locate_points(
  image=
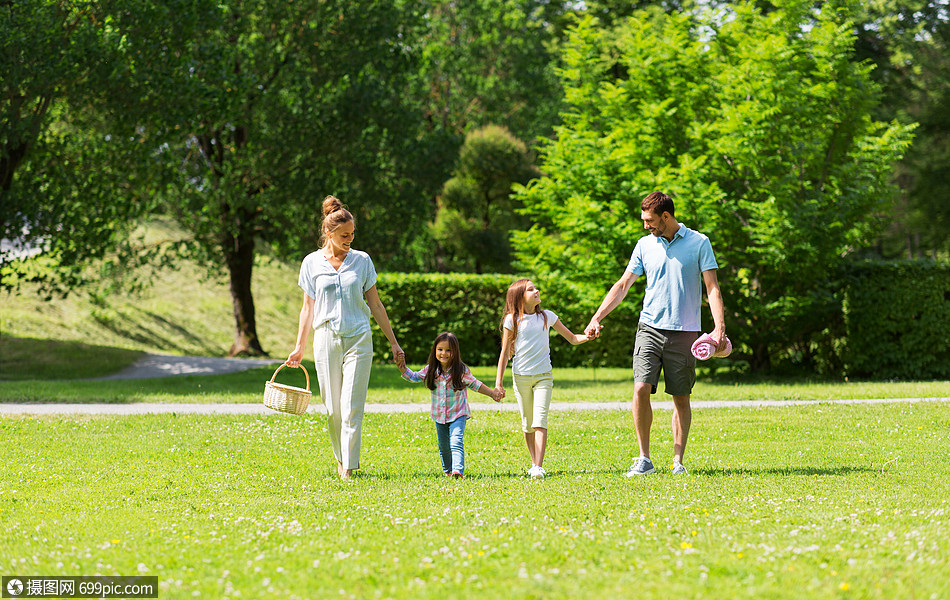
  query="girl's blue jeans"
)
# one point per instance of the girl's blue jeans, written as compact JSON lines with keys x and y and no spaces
{"x":451,"y":446}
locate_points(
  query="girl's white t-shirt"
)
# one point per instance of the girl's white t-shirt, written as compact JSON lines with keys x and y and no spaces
{"x":532,"y":349}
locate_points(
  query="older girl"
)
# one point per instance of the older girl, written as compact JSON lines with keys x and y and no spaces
{"x":525,"y":328}
{"x":339,"y":284}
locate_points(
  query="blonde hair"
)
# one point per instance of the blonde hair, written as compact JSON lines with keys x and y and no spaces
{"x":514,"y":306}
{"x":334,"y":215}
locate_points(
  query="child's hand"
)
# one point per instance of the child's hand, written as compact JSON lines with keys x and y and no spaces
{"x":399,"y":357}
{"x":498,"y":393}
{"x":593,"y":329}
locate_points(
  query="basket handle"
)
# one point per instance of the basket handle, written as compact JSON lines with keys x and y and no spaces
{"x":284,"y":365}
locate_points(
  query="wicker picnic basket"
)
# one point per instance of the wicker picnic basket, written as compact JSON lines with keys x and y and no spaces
{"x":287,"y":398}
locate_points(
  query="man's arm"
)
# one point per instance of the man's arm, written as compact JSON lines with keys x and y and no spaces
{"x":611,"y":301}
{"x":711,"y":279}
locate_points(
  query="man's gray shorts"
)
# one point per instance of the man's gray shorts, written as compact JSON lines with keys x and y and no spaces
{"x":668,"y":350}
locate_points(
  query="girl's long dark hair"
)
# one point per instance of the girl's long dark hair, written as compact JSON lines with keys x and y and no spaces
{"x":514,"y":306}
{"x":435,"y":367}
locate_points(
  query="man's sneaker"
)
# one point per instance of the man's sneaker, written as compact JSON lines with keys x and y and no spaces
{"x":536,"y":472}
{"x":679,"y":469}
{"x":641,"y":466}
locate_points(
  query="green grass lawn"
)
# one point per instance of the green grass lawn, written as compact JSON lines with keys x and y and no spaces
{"x":803,"y":502}
{"x":24,"y":359}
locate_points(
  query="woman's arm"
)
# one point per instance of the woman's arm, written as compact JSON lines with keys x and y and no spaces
{"x":303,"y":331}
{"x":569,"y":335}
{"x":382,"y":319}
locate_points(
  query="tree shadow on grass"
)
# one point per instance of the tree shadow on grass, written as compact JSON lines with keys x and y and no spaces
{"x":156,"y":331}
{"x":787,"y":471}
{"x":375,"y":475}
{"x":435,"y":475}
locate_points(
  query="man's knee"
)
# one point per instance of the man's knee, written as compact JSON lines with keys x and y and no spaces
{"x":642,"y":388}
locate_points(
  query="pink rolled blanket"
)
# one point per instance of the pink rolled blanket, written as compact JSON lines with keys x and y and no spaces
{"x":705,"y":348}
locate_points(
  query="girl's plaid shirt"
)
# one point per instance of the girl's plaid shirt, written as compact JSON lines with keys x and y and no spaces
{"x":448,"y":403}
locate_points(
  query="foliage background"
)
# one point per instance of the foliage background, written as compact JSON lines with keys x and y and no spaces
{"x":236,"y":118}
{"x":760,"y":128}
{"x":896,"y":317}
{"x":470,"y":306}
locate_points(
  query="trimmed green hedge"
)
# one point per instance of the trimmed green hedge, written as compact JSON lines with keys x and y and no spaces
{"x":421,"y":305}
{"x":897,"y":320}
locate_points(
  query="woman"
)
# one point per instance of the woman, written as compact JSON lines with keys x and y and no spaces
{"x":339,"y":285}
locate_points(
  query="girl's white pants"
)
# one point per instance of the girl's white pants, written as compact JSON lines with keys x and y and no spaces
{"x":343,"y":367}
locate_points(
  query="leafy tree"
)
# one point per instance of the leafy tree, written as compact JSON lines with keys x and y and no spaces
{"x":610,"y":13}
{"x":235,"y":118}
{"x":926,"y":169}
{"x":490,"y":61}
{"x":265,"y":110}
{"x":908,"y":41}
{"x":482,"y":62}
{"x":55,"y":61}
{"x":476,"y":210}
{"x":758,"y":124}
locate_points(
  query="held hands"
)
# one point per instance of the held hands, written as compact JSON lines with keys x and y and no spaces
{"x":498,"y":394}
{"x":593,"y":329}
{"x":399,"y":357}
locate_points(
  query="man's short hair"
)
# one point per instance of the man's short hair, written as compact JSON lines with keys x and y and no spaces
{"x":658,"y":203}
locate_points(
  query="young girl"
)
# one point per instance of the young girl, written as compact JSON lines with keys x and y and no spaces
{"x":524,"y":331}
{"x":448,"y":377}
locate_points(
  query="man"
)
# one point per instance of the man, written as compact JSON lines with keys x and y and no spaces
{"x":674,"y":260}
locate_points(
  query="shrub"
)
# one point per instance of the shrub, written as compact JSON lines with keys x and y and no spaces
{"x":422,"y":305}
{"x":897,"y":319}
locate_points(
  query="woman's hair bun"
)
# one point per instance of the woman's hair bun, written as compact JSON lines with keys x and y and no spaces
{"x":330,"y":205}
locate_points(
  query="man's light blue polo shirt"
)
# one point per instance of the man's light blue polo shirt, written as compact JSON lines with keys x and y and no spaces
{"x":673,"y":270}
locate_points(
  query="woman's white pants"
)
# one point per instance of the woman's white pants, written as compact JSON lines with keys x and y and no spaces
{"x":343,"y":368}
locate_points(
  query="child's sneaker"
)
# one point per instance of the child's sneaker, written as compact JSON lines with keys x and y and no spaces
{"x":641,"y":466}
{"x":456,"y":475}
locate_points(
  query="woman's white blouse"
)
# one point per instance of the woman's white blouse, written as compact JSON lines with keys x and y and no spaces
{"x":339,"y":295}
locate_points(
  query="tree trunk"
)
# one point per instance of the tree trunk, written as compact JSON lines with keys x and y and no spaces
{"x":240,"y":259}
{"x":11,"y":159}
{"x":17,"y":147}
{"x":760,"y":361}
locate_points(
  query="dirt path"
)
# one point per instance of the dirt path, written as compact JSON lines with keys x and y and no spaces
{"x":165,"y":365}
